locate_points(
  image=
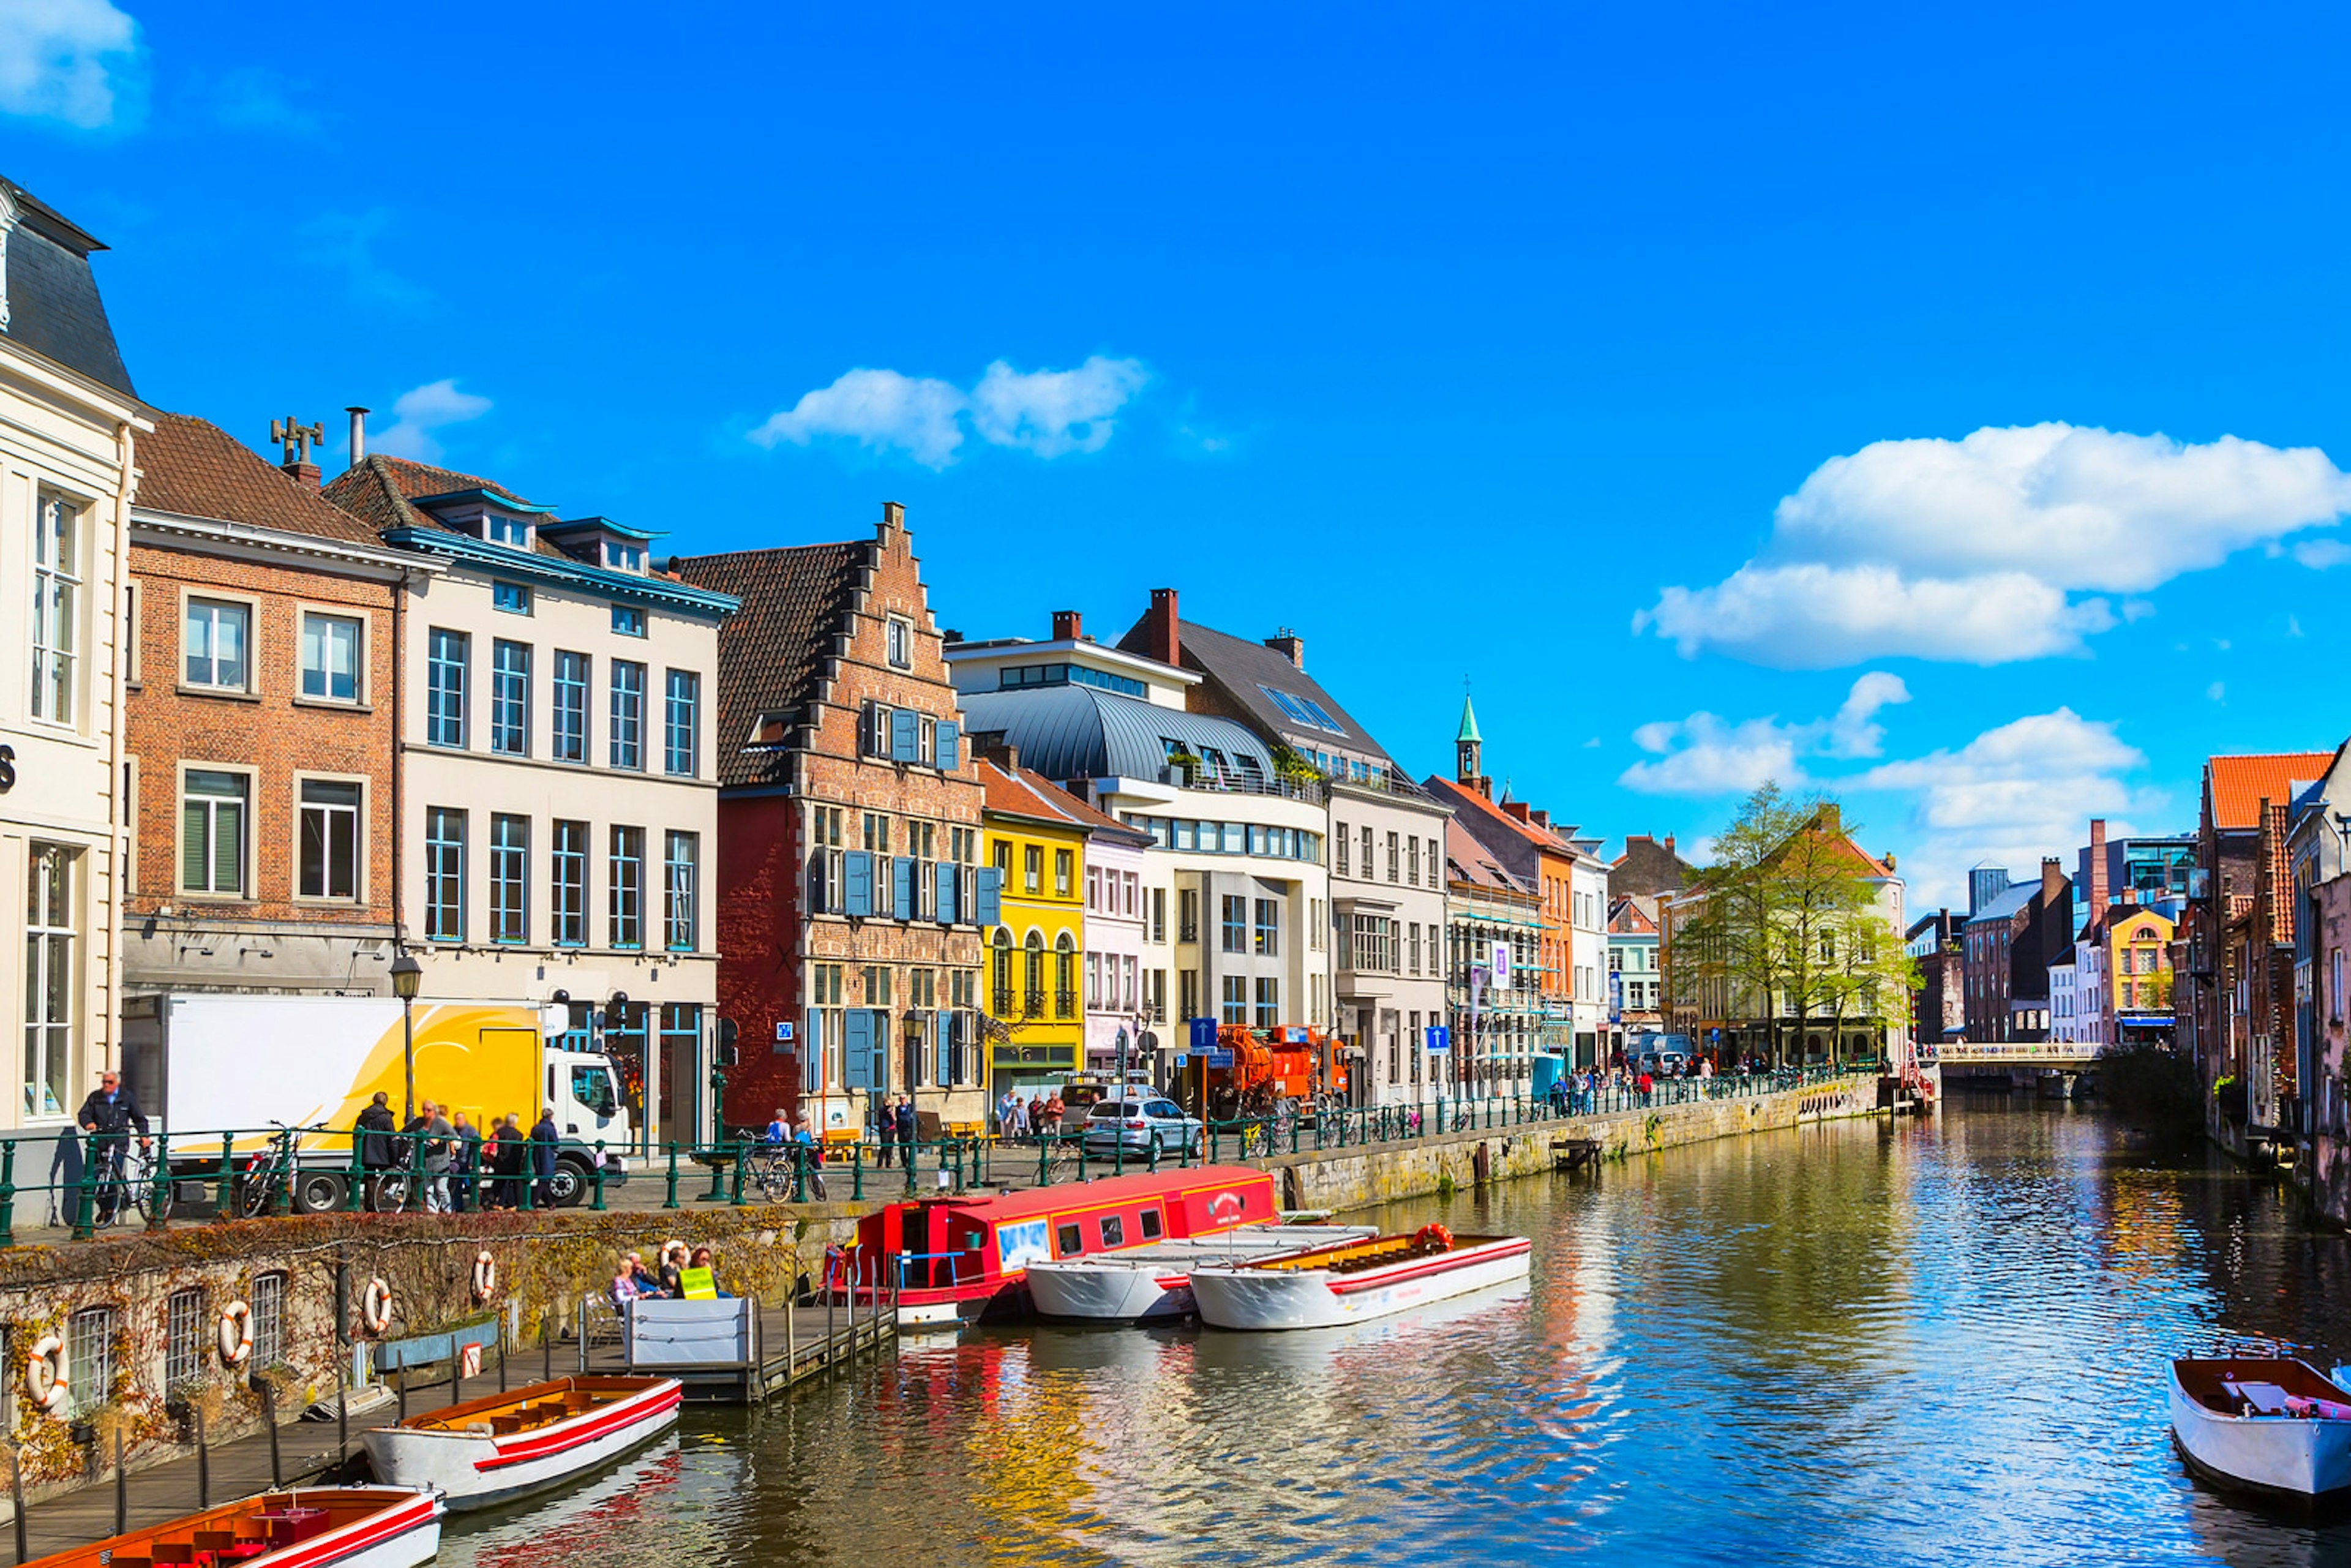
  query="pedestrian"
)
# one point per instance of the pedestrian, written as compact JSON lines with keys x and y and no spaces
{"x":508,"y":1162}
{"x":815,"y":1157}
{"x":705,"y":1273}
{"x":543,"y":1139}
{"x":374,"y":1131}
{"x":1054,"y":1110}
{"x":108,"y":1116}
{"x":886,"y":1123}
{"x":1006,"y":1104}
{"x":427,"y":1151}
{"x":465,"y":1163}
{"x":1036,"y":1111}
{"x":908,"y":1129}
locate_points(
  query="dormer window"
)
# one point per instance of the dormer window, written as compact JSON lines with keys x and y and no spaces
{"x":768,"y":731}
{"x":501,"y":529}
{"x":622,"y":557}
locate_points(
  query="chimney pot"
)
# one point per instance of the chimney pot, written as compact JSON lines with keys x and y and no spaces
{"x":1067,"y":626}
{"x":1160,"y":637}
{"x":359,"y":433}
{"x":1669,"y":844}
{"x":1290,"y":645}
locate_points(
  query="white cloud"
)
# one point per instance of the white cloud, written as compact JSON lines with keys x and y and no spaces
{"x":1047,"y":413}
{"x":65,"y":60}
{"x":2320,"y":554}
{"x":1977,"y":550}
{"x":1705,"y":755}
{"x":421,"y":411}
{"x":2218,"y":691}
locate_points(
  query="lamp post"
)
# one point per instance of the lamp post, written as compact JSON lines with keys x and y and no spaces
{"x":407,"y":979}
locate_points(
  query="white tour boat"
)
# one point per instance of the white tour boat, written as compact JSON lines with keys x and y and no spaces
{"x":308,"y":1527}
{"x":1153,"y":1282}
{"x":492,"y":1450}
{"x":2269,"y":1423}
{"x":1354,"y":1281}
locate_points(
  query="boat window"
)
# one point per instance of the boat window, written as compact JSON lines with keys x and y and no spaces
{"x":1151,"y":1225}
{"x":1113,"y":1230}
{"x":1066,"y":1242}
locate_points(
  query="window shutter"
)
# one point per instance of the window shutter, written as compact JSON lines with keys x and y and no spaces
{"x":816,"y":884}
{"x":949,"y":878}
{"x":988,"y":903}
{"x":857,"y":1051}
{"x":228,"y":846}
{"x":902,"y":888}
{"x":950,"y":746}
{"x":902,"y":735}
{"x":857,"y":882}
{"x":194,"y":840}
{"x":881,"y":1032}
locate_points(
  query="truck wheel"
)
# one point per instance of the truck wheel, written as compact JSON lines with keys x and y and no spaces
{"x":318,"y":1192}
{"x":569,"y":1185}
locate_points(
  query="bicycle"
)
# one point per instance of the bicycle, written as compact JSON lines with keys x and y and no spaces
{"x":274,"y":1166}
{"x":772,"y":1170}
{"x":126,"y":1171}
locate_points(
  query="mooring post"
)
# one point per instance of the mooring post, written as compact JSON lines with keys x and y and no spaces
{"x":122,"y":1488}
{"x":16,"y":1500}
{"x":269,"y":1415}
{"x":203,"y":1473}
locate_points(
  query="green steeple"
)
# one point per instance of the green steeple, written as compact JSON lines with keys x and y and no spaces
{"x":1468,"y":722}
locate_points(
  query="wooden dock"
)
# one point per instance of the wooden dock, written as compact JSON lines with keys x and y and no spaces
{"x":1574,"y":1154}
{"x":790,"y":1344}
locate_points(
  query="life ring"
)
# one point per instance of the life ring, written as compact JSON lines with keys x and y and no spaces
{"x":1436,"y":1236}
{"x":235,"y":1333}
{"x":45,"y":1375}
{"x":685,"y":1253}
{"x":375,"y":1306}
{"x":485,"y":1275}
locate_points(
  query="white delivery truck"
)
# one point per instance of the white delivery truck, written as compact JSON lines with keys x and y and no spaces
{"x":245,"y":1065}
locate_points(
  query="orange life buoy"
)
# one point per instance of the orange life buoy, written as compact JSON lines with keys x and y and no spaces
{"x":1436,"y":1237}
{"x":375,"y":1306}
{"x":44,"y":1375}
{"x":485,"y":1275}
{"x":235,"y":1333}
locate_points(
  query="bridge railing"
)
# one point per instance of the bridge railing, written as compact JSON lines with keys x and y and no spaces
{"x":1963,"y":1052}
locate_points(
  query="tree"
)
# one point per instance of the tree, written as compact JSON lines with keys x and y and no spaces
{"x":1736,"y":954}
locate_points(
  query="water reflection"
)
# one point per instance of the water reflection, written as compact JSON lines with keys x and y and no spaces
{"x":1851,"y":1345}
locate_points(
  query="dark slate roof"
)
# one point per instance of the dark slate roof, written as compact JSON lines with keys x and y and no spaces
{"x":195,"y":469}
{"x":1077,"y":732}
{"x":2000,"y":909}
{"x":1245,"y":669}
{"x":1648,"y":867}
{"x":52,"y":295}
{"x":771,"y":653}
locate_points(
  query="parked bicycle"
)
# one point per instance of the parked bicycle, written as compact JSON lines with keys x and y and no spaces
{"x":275,"y":1168}
{"x":124,"y":1179}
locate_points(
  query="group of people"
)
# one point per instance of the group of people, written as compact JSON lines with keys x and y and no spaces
{"x":895,"y":1123}
{"x":456,"y":1164}
{"x":1039,"y":1115}
{"x":683,"y":1275}
{"x":788,"y":1131}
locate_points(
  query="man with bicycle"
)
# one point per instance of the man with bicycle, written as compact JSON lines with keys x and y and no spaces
{"x":108,"y":1116}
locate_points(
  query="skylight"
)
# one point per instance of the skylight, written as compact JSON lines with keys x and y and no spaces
{"x":1305,"y":710}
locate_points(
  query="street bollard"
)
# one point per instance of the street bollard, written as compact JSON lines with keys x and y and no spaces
{"x":223,"y":1201}
{"x":737,"y":1199}
{"x":159,"y":1212}
{"x":598,"y":1178}
{"x":86,"y":1200}
{"x":9,"y":1193}
{"x":672,"y":1203}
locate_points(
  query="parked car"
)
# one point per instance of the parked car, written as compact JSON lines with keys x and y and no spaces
{"x":1662,"y":1063}
{"x":1135,"y":1122}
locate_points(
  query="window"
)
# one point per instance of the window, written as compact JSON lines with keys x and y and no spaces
{"x":1113,"y":1230}
{"x":1150,"y":1229}
{"x":901,"y":644}
{"x":1093,"y":980}
{"x":445,"y":688}
{"x":628,"y":714}
{"x":511,"y":597}
{"x":218,"y":644}
{"x":1412,"y":861}
{"x":330,"y":657}
{"x":624,"y":557}
{"x":1236,"y":1005}
{"x":510,"y":697}
{"x":1269,"y":927}
{"x":1391,"y":857}
{"x":51,"y":957}
{"x":567,"y":879}
{"x":1063,"y":862}
{"x":133,"y":629}
{"x":628,"y":621}
{"x":1236,"y":924}
{"x":212,"y":808}
{"x":1188,"y":915}
{"x":1066,"y":1242}
{"x":90,"y":1355}
{"x":330,"y":839}
{"x":571,"y":736}
{"x":56,"y":607}
{"x":1032,"y":867}
{"x":1159,"y":915}
{"x":627,"y":905}
{"x":875,"y":977}
{"x":1268,"y":1002}
{"x":509,"y":878}
{"x":1367,"y":854}
{"x":444,"y":874}
{"x":1412,"y":947}
{"x":680,"y":889}
{"x":184,"y":1337}
{"x":500,"y":529}
{"x":1342,"y":848}
{"x":680,"y":746}
{"x":268,"y":1320}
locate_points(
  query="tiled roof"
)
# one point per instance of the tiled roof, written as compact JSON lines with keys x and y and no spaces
{"x":1473,"y":866}
{"x":197,"y":469}
{"x":1024,"y":792}
{"x":2235,"y":787}
{"x":771,"y":653}
{"x":1633,"y":915}
{"x":1649,"y":866}
{"x":1471,"y":804}
{"x":378,"y":489}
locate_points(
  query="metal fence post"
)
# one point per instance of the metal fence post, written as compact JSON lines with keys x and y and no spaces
{"x":9,"y":1193}
{"x":598,"y":1204}
{"x":672,"y":1176}
{"x":737,"y":1197}
{"x":86,"y":1198}
{"x":159,"y":1216}
{"x":856,"y":1174}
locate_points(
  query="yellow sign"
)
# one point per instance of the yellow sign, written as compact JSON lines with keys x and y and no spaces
{"x":698,"y":1284}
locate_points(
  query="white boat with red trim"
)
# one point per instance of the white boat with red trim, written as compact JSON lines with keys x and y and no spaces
{"x":1353,"y":1281}
{"x":2268,"y":1424}
{"x":1150,"y":1284}
{"x":492,"y":1450}
{"x":311,"y":1526}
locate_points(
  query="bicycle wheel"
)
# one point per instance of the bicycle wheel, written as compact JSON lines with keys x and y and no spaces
{"x":254,"y":1189}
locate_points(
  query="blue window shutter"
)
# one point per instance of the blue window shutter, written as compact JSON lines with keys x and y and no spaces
{"x":988,"y":908}
{"x":903,"y":732}
{"x":857,"y":882}
{"x":950,"y":746}
{"x":902,"y":888}
{"x":881,"y":1032}
{"x":857,"y":1054}
{"x":868,"y":730}
{"x":947,"y":881}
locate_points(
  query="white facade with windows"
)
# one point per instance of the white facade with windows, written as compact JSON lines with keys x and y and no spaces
{"x":1587,"y":950}
{"x":1386,"y":859}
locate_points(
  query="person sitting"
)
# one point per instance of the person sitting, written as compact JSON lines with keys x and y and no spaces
{"x":642,"y":1278}
{"x":624,"y":1289}
{"x":779,"y":1131}
{"x":704,"y":1278}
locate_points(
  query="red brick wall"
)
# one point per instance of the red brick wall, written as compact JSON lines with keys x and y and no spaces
{"x":759,"y":895}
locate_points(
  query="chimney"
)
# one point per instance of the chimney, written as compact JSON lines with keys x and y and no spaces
{"x":1669,"y":844}
{"x":1290,"y":645}
{"x":1066,"y":626}
{"x":893,"y":522}
{"x":359,"y":433}
{"x":1159,"y":638}
{"x":297,"y":439}
{"x":1541,"y":819}
{"x":1832,"y":820}
{"x":2097,"y":892}
{"x":1517,"y":809}
{"x":2053,"y":879}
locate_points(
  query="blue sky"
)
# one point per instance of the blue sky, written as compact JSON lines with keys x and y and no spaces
{"x":1479,"y":346}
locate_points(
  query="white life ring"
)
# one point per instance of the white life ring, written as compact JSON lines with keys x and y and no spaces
{"x":375,"y":1306}
{"x":235,"y":1333}
{"x":485,"y":1275}
{"x":685,"y":1253}
{"x":44,"y":1375}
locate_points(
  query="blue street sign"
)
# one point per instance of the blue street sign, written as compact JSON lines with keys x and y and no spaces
{"x":1293,"y":1035}
{"x":1440,"y":1038}
{"x":1203,"y":1033}
{"x":1218,"y":1058}
{"x":783,"y":1034}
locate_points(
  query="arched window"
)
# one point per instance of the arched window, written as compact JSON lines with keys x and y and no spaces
{"x":1065,"y":977}
{"x":1001,"y":978}
{"x":1033,"y":1005}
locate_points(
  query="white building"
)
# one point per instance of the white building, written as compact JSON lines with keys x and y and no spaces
{"x":1588,"y":947}
{"x":2067,"y":1022}
{"x":559,"y":799}
{"x":70,"y":427}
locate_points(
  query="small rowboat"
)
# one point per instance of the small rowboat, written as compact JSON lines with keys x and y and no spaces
{"x":1354,"y":1282}
{"x":314,"y":1527}
{"x":2268,"y":1424}
{"x":489,"y":1451}
{"x":1152,"y":1282}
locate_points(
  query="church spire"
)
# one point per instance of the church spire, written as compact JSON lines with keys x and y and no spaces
{"x":1467,"y":746}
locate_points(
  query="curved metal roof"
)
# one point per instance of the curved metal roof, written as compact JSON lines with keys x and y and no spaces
{"x":1078,"y":732}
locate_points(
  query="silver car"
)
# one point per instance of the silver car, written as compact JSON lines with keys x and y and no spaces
{"x":1135,"y":1122}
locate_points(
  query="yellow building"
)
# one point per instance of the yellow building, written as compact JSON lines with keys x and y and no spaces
{"x":2128,"y":978}
{"x":1035,"y":956}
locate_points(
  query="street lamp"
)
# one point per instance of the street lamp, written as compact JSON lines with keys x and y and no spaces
{"x":407,"y":979}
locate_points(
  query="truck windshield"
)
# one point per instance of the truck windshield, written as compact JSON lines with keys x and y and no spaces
{"x":593,"y":1087}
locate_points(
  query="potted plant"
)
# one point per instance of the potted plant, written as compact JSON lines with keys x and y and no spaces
{"x":1186,"y":766}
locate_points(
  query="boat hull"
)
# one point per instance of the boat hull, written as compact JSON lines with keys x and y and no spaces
{"x":1232,"y":1296}
{"x":1107,"y":1293}
{"x":474,"y":1470}
{"x":401,"y":1528}
{"x":2262,"y":1453}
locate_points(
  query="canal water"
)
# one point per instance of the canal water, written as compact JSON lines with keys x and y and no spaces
{"x":1852,"y":1344}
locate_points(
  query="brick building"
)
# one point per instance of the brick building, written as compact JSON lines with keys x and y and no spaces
{"x":258,"y":731}
{"x":2008,"y":946}
{"x":851,"y":898}
{"x":1938,"y":1004}
{"x":1648,"y":867}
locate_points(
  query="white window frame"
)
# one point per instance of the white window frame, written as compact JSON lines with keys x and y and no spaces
{"x":188,"y":764}
{"x":43,"y":1035}
{"x":361,"y":696}
{"x":898,"y":642}
{"x":358,"y":813}
{"x":69,"y":584}
{"x":189,"y":595}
